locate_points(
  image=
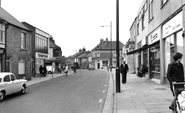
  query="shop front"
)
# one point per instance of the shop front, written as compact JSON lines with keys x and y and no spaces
{"x":172,"y":39}
{"x":154,"y":53}
{"x":40,"y":59}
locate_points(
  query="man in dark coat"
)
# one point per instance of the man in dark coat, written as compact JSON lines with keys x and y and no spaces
{"x":175,"y":73}
{"x":124,"y":70}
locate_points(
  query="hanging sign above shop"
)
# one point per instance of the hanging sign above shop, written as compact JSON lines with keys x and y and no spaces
{"x":155,"y":36}
{"x":41,"y":55}
{"x":173,"y":25}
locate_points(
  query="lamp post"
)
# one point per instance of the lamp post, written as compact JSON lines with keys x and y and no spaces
{"x":110,"y":44}
{"x":118,"y":89}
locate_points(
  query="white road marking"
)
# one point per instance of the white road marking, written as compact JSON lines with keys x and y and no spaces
{"x":100,"y":100}
{"x":105,"y":85}
{"x":103,"y":91}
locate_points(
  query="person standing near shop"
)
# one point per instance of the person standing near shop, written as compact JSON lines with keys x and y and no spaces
{"x":175,"y":73}
{"x":124,"y":70}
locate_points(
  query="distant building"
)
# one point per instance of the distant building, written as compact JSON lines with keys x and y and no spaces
{"x":55,"y":56}
{"x":104,"y":54}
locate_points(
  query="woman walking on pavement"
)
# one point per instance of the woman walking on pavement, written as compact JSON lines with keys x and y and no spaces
{"x":175,"y":73}
{"x":66,"y":69}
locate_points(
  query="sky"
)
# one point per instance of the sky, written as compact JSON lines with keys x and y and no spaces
{"x":76,"y":24}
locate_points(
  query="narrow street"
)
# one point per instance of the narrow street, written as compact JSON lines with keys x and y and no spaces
{"x":81,"y":92}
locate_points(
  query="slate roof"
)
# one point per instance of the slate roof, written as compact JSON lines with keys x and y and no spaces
{"x":85,"y":55}
{"x":106,"y":45}
{"x":4,"y":15}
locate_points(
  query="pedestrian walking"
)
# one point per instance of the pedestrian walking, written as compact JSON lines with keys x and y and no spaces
{"x":175,"y":73}
{"x":124,"y":70}
{"x":74,"y":68}
{"x":44,"y":71}
{"x":66,"y":69}
{"x":41,"y":70}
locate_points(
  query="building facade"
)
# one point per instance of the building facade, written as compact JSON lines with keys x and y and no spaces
{"x":104,"y":54}
{"x":15,"y":46}
{"x":40,"y":48}
{"x":159,"y":33}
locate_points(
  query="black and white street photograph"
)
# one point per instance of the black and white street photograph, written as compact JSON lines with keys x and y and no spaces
{"x":92,"y":56}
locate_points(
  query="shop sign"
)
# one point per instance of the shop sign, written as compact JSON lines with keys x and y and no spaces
{"x":155,"y":36}
{"x":42,"y":33}
{"x":40,"y":55}
{"x":173,"y":25}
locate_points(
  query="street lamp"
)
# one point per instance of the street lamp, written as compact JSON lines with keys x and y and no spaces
{"x":110,"y":45}
{"x":118,"y":89}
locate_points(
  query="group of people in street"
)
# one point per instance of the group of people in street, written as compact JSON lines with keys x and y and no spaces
{"x":43,"y":71}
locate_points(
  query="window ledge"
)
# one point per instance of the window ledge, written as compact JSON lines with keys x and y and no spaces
{"x":23,"y":49}
{"x":164,"y":4}
{"x":150,"y":19}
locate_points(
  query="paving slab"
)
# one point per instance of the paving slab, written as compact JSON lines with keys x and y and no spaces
{"x":142,"y":95}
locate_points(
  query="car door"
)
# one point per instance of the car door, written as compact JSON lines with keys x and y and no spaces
{"x":15,"y":83}
{"x":8,"y":85}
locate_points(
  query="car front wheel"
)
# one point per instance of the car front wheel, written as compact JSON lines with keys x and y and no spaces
{"x":23,"y":90}
{"x":2,"y":95}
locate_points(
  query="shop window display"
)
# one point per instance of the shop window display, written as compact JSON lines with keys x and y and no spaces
{"x":155,"y":58}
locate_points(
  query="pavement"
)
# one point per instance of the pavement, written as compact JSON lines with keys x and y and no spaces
{"x":141,"y":95}
{"x":37,"y":80}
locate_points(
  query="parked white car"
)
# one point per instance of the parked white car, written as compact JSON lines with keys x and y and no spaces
{"x":9,"y":84}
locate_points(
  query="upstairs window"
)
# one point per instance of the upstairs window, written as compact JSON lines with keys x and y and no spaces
{"x":98,"y":55}
{"x":2,"y":33}
{"x":23,"y":40}
{"x":150,"y":10}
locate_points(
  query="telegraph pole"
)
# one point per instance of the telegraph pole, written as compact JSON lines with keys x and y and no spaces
{"x":118,"y":89}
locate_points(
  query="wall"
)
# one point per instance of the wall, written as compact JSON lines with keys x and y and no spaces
{"x":14,"y":50}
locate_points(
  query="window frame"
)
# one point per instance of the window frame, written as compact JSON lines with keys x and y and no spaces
{"x":2,"y":33}
{"x":7,"y":79}
{"x":23,"y":40}
{"x":22,"y":60}
{"x":163,"y":2}
{"x":150,"y":8}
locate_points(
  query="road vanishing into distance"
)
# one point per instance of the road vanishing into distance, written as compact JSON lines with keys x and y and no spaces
{"x":81,"y":92}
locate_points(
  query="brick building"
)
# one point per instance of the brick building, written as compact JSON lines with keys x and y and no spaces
{"x":104,"y":54}
{"x":15,"y":46}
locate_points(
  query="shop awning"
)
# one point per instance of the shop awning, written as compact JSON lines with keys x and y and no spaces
{"x":138,"y":50}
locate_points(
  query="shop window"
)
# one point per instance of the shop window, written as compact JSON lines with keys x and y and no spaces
{"x":169,"y":50}
{"x":155,"y":58}
{"x":179,"y":39}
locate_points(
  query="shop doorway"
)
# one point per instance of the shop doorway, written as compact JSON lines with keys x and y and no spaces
{"x":98,"y":65}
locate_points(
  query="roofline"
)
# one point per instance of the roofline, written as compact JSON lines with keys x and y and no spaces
{"x":36,"y":28}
